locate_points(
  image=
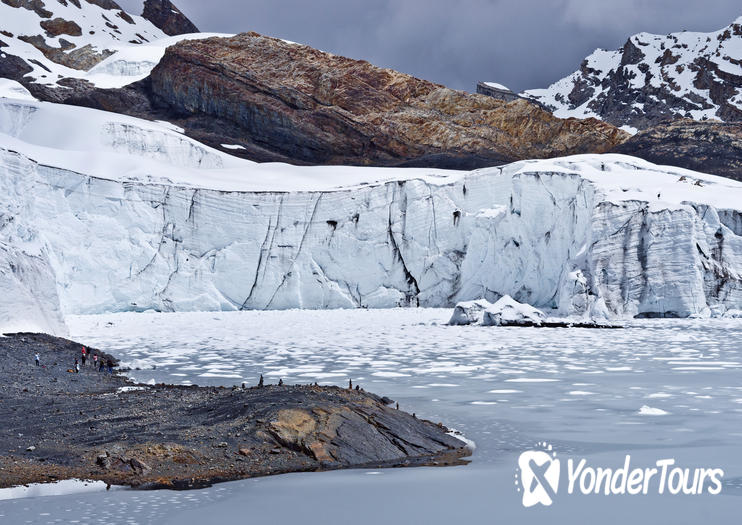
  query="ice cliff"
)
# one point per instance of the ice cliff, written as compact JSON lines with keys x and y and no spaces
{"x":131,"y":215}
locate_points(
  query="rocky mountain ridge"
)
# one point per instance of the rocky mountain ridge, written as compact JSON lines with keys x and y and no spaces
{"x":655,"y":78}
{"x":298,"y":104}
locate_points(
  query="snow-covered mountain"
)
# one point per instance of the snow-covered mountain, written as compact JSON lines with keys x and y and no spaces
{"x":48,"y":41}
{"x":125,"y":214}
{"x":653,"y":78}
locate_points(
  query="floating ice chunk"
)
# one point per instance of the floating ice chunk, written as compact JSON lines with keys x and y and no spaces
{"x":509,"y":312}
{"x":659,"y":395}
{"x":650,"y":411}
{"x":469,"y":312}
{"x":505,"y":312}
{"x":389,"y":374}
{"x":531,"y":380}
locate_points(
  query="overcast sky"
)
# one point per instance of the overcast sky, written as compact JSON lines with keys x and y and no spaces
{"x":520,"y":43}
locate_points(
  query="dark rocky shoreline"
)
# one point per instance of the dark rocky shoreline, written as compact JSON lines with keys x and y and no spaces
{"x":63,"y":425}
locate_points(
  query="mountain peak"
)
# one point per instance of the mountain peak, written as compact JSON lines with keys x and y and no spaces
{"x":656,"y":78}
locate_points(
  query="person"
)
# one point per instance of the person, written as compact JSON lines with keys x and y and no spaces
{"x":77,"y":366}
{"x":110,"y":366}
{"x":102,"y":365}
{"x":95,"y":360}
{"x":84,"y":356}
{"x":38,"y":359}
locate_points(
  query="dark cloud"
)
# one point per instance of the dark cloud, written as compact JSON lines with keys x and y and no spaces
{"x":521,"y":43}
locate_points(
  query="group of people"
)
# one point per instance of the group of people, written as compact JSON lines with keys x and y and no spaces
{"x":103,"y":365}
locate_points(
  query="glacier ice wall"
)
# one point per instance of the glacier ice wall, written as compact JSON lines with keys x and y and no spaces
{"x":553,"y":239}
{"x":28,"y":288}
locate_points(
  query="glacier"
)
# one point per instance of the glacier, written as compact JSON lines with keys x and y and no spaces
{"x":120,"y":214}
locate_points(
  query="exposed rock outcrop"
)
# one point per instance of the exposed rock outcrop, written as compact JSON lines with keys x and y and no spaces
{"x":711,"y":147}
{"x":284,"y":101}
{"x":99,"y":426}
{"x":167,"y":17}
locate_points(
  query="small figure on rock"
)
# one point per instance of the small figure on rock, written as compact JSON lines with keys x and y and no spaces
{"x":37,"y":357}
{"x":260,"y":383}
{"x":397,"y":406}
{"x":358,"y":387}
{"x":77,"y":366}
{"x":350,"y":384}
{"x":84,"y":355}
{"x":110,"y":366}
{"x":102,"y":365}
{"x":244,"y":386}
{"x":280,"y":382}
{"x":95,"y":360}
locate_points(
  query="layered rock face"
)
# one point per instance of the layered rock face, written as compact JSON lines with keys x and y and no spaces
{"x":711,"y":147}
{"x":283,"y":101}
{"x":655,"y":78}
{"x":163,"y":14}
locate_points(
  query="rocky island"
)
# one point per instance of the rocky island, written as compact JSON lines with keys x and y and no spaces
{"x":59,"y":424}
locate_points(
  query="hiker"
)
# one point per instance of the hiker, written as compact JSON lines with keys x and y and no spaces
{"x":77,"y":366}
{"x":38,"y":359}
{"x":110,"y":366}
{"x":102,"y":365}
{"x":95,"y":361}
{"x":84,"y":356}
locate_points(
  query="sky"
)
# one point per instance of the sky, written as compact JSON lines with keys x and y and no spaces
{"x":523,"y":44}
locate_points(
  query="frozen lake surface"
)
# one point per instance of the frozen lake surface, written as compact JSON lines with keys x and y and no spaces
{"x":656,"y":390}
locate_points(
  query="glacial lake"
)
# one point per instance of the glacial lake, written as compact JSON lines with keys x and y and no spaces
{"x":658,"y":389}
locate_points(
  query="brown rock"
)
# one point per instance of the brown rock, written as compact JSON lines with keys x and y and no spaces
{"x":139,"y":467}
{"x":319,"y":450}
{"x":60,"y":26}
{"x":291,"y":102}
{"x":292,"y":426}
{"x":82,"y":58}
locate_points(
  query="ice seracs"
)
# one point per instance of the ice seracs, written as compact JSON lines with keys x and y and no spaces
{"x":130,"y":215}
